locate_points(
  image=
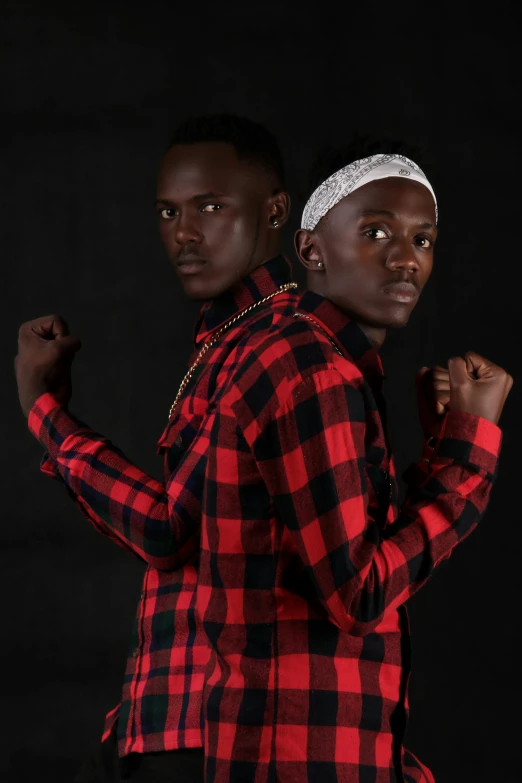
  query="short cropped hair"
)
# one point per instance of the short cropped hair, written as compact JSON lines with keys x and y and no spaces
{"x":251,"y":141}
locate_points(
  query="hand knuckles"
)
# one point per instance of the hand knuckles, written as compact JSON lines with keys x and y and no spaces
{"x":41,"y":320}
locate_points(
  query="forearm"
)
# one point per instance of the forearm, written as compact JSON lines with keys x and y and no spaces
{"x":314,"y":464}
{"x":49,"y":468}
{"x":120,"y":499}
{"x":440,"y":512}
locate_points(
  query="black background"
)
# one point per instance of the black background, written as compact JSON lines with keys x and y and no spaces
{"x":91,"y":95}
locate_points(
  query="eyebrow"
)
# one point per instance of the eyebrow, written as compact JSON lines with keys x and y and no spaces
{"x":210,"y":194}
{"x":387,"y":213}
{"x":197,"y":197}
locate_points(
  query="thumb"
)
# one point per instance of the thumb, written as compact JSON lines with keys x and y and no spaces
{"x":440,"y":407}
{"x":68,"y":344}
{"x":458,"y":371}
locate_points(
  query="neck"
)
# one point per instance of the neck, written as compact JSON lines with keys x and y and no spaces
{"x":376,"y":335}
{"x":271,"y":251}
{"x":273,"y":248}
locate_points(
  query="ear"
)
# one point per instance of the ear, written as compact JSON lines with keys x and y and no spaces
{"x":279,"y":209}
{"x":308,"y":250}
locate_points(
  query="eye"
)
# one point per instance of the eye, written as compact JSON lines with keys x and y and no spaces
{"x":376,"y":233}
{"x":424,"y":242}
{"x":211,"y":207}
{"x":167,"y":213}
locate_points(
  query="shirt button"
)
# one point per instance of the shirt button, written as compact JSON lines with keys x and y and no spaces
{"x":136,"y":652}
{"x":178,"y":441}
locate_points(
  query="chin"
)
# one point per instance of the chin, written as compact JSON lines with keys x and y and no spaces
{"x":398,"y":323}
{"x":197,"y":296}
{"x":397,"y":319}
{"x":200,"y":290}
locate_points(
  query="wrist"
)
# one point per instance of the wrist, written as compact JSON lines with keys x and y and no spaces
{"x":47,"y":417}
{"x":43,"y":404}
{"x":27,"y":402}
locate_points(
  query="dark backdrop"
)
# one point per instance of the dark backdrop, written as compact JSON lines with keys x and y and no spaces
{"x":90,"y":97}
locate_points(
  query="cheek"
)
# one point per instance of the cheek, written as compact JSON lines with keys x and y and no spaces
{"x":233,"y":240}
{"x":229,"y":245}
{"x":353,"y":263}
{"x":426,"y":268}
{"x":166,"y":232}
{"x":229,"y":230}
{"x":351,"y":249}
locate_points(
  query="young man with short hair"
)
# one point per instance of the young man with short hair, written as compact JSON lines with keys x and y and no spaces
{"x":302,"y":582}
{"x":221,"y":204}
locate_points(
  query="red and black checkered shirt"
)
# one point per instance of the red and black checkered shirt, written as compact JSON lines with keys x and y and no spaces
{"x":306,"y":561}
{"x":160,"y":523}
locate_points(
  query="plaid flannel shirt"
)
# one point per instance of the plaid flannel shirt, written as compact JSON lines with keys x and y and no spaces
{"x":160,"y":522}
{"x":306,"y":561}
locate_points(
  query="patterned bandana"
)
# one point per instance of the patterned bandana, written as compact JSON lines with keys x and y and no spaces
{"x":354,"y":176}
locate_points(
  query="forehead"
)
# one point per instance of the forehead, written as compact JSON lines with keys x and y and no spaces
{"x":405,"y":198}
{"x":206,"y":167}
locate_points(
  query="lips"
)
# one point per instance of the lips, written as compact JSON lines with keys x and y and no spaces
{"x":190,"y":265}
{"x":401,"y":291}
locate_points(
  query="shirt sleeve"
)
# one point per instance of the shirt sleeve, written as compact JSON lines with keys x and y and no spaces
{"x":160,"y":523}
{"x":312,"y":459}
{"x":48,"y":468}
{"x":417,"y":472}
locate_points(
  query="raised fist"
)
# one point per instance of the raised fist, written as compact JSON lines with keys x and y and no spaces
{"x":45,"y":353}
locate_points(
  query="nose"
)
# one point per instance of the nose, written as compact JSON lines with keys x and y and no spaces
{"x":401,"y":255}
{"x":187,"y":231}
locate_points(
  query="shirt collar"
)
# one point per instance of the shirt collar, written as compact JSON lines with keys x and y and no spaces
{"x":263,"y":281}
{"x":346,"y":334}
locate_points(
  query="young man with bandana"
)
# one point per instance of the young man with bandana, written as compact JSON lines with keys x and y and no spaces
{"x":221,"y":205}
{"x":303,"y":580}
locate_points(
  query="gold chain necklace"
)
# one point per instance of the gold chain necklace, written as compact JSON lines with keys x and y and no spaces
{"x":206,"y":347}
{"x":297,"y":314}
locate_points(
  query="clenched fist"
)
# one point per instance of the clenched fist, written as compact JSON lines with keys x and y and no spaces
{"x":45,"y":354}
{"x":471,"y":385}
{"x":478,"y":386}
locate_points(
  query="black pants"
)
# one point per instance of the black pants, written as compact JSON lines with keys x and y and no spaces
{"x":172,"y":766}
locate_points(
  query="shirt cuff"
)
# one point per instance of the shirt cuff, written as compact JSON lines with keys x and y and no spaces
{"x":50,"y":422}
{"x":469,"y":440}
{"x":48,"y":467}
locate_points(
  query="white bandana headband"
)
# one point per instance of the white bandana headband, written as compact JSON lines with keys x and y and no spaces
{"x":355,"y":175}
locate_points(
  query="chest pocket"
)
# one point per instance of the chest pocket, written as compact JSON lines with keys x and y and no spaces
{"x":182,"y":430}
